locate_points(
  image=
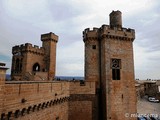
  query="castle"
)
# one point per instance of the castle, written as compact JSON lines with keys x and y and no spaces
{"x":107,"y":93}
{"x":34,"y":62}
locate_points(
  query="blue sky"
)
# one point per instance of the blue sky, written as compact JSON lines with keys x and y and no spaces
{"x":23,"y":21}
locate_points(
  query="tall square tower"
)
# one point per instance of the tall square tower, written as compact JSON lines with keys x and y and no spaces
{"x":109,"y":62}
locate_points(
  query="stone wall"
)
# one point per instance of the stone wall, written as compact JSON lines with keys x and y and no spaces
{"x":120,"y":94}
{"x":83,"y":104}
{"x":1,"y":90}
{"x":83,"y":107}
{"x":90,"y":38}
{"x":58,"y":100}
{"x":53,"y":112}
{"x":2,"y":84}
{"x":31,"y":99}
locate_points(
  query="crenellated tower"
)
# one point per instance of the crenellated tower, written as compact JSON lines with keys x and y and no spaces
{"x":109,"y":62}
{"x":33,"y":62}
{"x":24,"y":54}
{"x":92,"y":68}
{"x":49,"y":42}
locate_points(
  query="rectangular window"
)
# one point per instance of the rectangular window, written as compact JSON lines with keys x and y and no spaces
{"x":82,"y":83}
{"x":93,"y":46}
{"x":116,"y":74}
{"x":116,"y":66}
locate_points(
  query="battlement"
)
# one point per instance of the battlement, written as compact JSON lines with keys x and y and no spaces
{"x":49,"y":36}
{"x":90,"y":30}
{"x":90,"y":33}
{"x":27,"y":47}
{"x":110,"y":31}
{"x":108,"y":27}
{"x":121,"y":33}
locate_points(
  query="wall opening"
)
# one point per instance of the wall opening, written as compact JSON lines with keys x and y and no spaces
{"x":17,"y":64}
{"x":116,"y":66}
{"x":116,"y":74}
{"x":93,"y":46}
{"x":36,"y":67}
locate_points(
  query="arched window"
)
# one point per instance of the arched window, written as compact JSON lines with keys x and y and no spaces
{"x":21,"y":64}
{"x":36,"y":67}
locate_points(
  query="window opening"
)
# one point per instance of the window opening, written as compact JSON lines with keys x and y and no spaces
{"x":116,"y":66}
{"x":17,"y":64}
{"x":36,"y":67}
{"x":93,"y":46}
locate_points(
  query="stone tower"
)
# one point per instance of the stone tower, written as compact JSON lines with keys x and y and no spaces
{"x":49,"y":42}
{"x":2,"y":84}
{"x":109,"y":62}
{"x":33,"y":62}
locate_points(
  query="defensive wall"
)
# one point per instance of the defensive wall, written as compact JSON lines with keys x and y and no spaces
{"x":83,"y":103}
{"x":45,"y":100}
{"x":28,"y":47}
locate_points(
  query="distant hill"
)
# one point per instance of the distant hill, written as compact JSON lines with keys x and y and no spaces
{"x":8,"y":77}
{"x":69,"y":78}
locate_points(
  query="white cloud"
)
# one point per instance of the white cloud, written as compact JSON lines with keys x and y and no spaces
{"x":26,"y":10}
{"x":24,"y":21}
{"x":70,"y":59}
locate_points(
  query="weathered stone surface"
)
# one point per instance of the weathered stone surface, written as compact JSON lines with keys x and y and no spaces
{"x":100,"y":97}
{"x":34,"y":62}
{"x":112,"y":42}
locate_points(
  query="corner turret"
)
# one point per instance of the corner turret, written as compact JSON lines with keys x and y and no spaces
{"x":115,"y":19}
{"x":49,"y":42}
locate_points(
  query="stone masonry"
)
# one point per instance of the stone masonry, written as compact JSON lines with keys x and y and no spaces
{"x":34,"y":62}
{"x":107,"y":93}
{"x":109,"y":62}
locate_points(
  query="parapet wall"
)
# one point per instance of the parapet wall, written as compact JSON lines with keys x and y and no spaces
{"x":83,"y":101}
{"x":109,"y":31}
{"x":27,"y":97}
{"x":33,"y":92}
{"x":22,"y":98}
{"x":49,"y":36}
{"x":88,"y":33}
{"x":82,"y":87}
{"x":27,"y":48}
